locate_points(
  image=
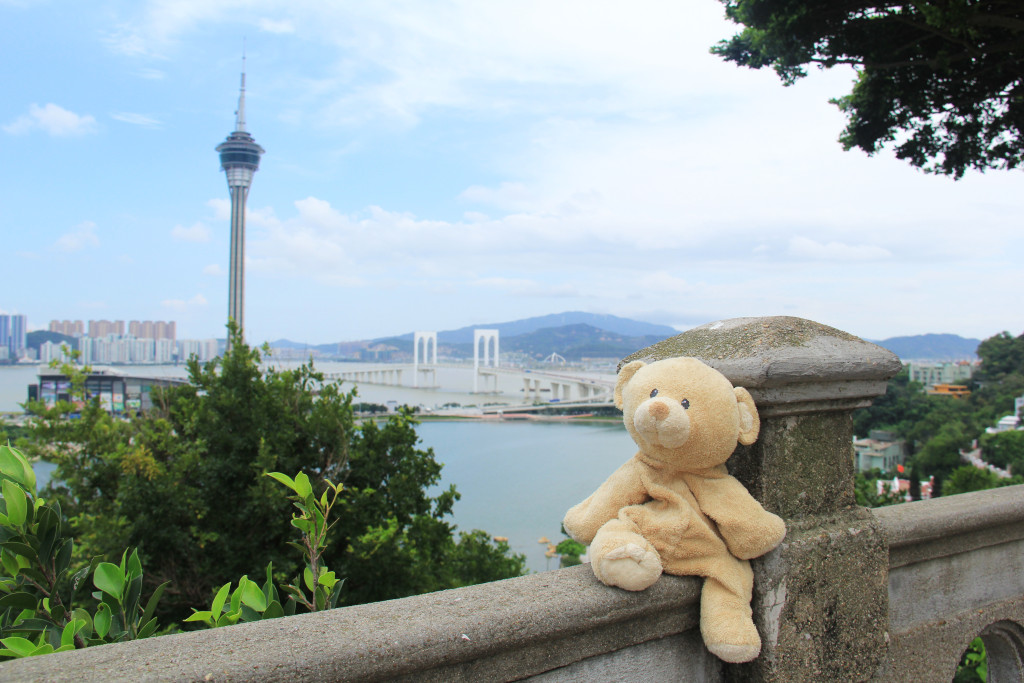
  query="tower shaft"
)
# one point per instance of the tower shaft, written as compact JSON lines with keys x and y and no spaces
{"x":239,"y":158}
{"x":236,"y":284}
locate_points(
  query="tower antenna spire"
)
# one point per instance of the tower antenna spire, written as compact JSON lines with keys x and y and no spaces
{"x":240,"y":158}
{"x":240,"y":114}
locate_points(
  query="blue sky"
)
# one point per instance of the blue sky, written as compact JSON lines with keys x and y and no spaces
{"x":438,"y":164}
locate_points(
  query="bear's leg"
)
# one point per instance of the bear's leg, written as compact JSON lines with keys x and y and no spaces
{"x":621,"y":557}
{"x":725,"y":614}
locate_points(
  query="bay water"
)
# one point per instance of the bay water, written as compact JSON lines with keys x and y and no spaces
{"x":516,"y":478}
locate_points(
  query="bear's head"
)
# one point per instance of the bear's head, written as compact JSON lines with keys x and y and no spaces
{"x":684,"y":414}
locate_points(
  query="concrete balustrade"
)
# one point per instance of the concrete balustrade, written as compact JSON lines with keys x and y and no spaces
{"x":893,"y":594}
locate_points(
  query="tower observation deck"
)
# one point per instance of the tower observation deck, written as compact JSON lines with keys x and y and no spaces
{"x":240,"y":158}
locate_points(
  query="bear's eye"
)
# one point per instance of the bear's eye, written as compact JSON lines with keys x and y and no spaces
{"x":654,"y":392}
{"x":685,"y":403}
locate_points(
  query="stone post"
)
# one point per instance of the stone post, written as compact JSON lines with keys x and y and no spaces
{"x":821,"y":597}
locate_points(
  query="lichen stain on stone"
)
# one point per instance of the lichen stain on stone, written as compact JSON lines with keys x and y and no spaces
{"x":743,"y":340}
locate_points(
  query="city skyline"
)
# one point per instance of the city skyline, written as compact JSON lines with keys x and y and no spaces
{"x":434,"y":168}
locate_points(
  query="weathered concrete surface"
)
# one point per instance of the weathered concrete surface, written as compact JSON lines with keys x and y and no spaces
{"x":785,"y":361}
{"x":956,"y":572}
{"x":505,"y":630}
{"x":821,"y":604}
{"x":800,"y":464}
{"x":677,"y":658}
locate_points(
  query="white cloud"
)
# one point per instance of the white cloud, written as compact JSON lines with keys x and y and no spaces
{"x":137,"y":119}
{"x":804,"y":247}
{"x":524,"y":287}
{"x":52,"y":119}
{"x":271,"y":26}
{"x":213,"y":269}
{"x":81,"y":236}
{"x":181,"y":305}
{"x":221,"y":208}
{"x":198,"y":232}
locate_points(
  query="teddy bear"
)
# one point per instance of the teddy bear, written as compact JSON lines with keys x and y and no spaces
{"x":674,"y":507}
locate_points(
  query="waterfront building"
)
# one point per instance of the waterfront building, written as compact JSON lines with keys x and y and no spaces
{"x":203,"y":349}
{"x":52,"y":351}
{"x":240,"y":158}
{"x":13,"y":329}
{"x":931,"y":374}
{"x":117,"y":393}
{"x":881,"y":450}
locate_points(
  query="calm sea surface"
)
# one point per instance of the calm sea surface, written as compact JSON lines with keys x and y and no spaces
{"x":516,"y":478}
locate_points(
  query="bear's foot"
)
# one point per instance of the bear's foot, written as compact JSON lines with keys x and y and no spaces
{"x":630,"y":566}
{"x":733,"y":640}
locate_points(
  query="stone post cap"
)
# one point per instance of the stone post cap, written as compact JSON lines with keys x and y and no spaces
{"x":789,"y":365}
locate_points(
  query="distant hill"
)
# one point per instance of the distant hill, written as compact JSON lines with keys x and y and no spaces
{"x":932,"y":347}
{"x":577,"y":341}
{"x":37,"y":338}
{"x":610,"y":323}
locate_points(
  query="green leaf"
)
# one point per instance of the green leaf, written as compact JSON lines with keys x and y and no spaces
{"x":252,"y":595}
{"x":67,"y":637}
{"x":307,"y":578}
{"x":63,"y":559}
{"x":229,"y":619}
{"x":273,"y":611}
{"x":17,"y":503}
{"x":18,"y":548}
{"x":199,"y":616}
{"x":82,"y":615}
{"x":15,"y":465}
{"x":110,"y":579}
{"x":284,"y":479}
{"x":19,"y":600}
{"x":327,"y":580}
{"x":101,"y":622}
{"x":147,"y":630}
{"x":21,"y":647}
{"x":301,"y":524}
{"x":302,"y":485}
{"x":218,"y":601}
{"x":134,"y":565}
{"x":147,"y":614}
{"x":236,"y":595}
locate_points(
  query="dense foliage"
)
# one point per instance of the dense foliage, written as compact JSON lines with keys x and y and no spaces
{"x":184,"y":483}
{"x":936,"y":428}
{"x":942,"y":79}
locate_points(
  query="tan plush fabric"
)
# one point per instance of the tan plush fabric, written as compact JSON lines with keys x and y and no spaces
{"x":673,"y":507}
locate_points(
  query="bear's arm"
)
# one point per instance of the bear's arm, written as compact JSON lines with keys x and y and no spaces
{"x":748,"y":529}
{"x":621,"y":489}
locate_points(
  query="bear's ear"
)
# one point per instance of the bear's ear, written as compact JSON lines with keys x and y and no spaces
{"x":750,"y":423}
{"x":625,"y":374}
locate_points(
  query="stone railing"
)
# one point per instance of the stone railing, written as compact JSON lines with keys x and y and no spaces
{"x":894,"y":594}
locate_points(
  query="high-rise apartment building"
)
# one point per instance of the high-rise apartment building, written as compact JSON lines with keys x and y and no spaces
{"x":104,"y":328}
{"x":149,"y":329}
{"x":13,"y":330}
{"x":70,"y":328}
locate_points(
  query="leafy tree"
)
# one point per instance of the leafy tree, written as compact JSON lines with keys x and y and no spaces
{"x":865,"y":490}
{"x":942,"y":79}
{"x":970,"y":478}
{"x":185,"y":485}
{"x":1000,"y":355}
{"x":1005,"y":449}
{"x":941,"y":454}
